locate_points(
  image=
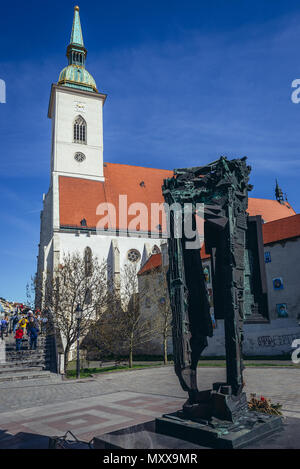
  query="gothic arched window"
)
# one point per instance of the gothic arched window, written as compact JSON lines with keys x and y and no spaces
{"x":88,"y":262}
{"x":79,"y":130}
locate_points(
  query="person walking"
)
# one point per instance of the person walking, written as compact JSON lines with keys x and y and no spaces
{"x":18,"y":337}
{"x":33,"y":331}
{"x":7,"y":324}
{"x":15,"y":320}
{"x":4,"y":326}
{"x":44,"y":321}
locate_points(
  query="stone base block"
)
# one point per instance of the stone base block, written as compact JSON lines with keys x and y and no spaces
{"x":248,"y":428}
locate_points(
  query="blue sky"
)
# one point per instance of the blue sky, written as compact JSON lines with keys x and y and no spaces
{"x":187,"y":81}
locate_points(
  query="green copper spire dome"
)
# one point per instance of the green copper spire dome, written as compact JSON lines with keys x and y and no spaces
{"x":75,"y":75}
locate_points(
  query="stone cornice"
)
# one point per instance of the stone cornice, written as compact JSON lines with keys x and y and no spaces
{"x":65,"y":89}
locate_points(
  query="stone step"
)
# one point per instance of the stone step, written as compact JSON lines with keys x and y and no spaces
{"x":27,"y":349}
{"x":27,"y":365}
{"x":32,"y":382}
{"x":24,"y":375}
{"x":25,"y":339}
{"x":41,"y":358}
{"x":27,"y":354}
{"x":14,"y":365}
{"x":17,"y":369}
{"x":30,"y":364}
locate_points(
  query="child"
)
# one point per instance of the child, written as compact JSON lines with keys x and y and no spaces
{"x":18,"y":337}
{"x":23,"y":324}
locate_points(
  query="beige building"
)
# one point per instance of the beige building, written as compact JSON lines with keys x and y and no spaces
{"x":282,"y":261}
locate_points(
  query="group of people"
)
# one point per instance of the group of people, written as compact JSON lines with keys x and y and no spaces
{"x":22,"y":323}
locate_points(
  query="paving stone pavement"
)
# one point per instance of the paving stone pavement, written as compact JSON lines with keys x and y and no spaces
{"x":117,"y":400}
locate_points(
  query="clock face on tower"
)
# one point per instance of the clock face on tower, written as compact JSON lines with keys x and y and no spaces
{"x":80,"y":157}
{"x":79,"y":107}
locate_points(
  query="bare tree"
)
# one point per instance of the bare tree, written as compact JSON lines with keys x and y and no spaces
{"x":123,"y":328}
{"x":154,"y":282}
{"x":30,"y":293}
{"x":164,"y":313}
{"x":80,"y":280}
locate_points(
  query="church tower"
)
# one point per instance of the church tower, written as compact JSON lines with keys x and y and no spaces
{"x":76,"y":110}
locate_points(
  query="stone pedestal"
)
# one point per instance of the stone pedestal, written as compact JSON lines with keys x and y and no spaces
{"x":218,"y":419}
{"x":263,"y":436}
{"x":2,"y":351}
{"x":245,"y":430}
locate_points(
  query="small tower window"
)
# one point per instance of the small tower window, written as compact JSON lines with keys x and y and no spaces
{"x":79,"y":130}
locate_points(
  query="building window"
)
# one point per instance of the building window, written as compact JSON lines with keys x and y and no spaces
{"x":267,"y":257}
{"x":278,"y":283}
{"x":282,"y":311}
{"x":133,"y":255}
{"x":88,"y":263}
{"x":79,"y":130}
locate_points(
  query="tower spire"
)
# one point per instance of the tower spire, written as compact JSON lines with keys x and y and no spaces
{"x":75,"y":74}
{"x":76,"y":34}
{"x":278,"y":193}
{"x":76,"y":52}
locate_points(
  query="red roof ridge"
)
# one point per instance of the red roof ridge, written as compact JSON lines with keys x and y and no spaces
{"x":284,"y":228}
{"x":285,"y":219}
{"x":138,"y":166}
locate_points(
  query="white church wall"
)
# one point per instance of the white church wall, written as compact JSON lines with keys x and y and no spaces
{"x":101,"y":244}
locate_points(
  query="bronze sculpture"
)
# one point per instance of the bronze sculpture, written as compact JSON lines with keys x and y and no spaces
{"x":234,"y":241}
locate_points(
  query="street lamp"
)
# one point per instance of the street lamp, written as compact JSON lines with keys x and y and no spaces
{"x":78,"y":312}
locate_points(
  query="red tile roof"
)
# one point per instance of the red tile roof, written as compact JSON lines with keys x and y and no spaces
{"x":79,"y":198}
{"x":279,"y":230}
{"x":152,"y":263}
{"x":269,"y":209}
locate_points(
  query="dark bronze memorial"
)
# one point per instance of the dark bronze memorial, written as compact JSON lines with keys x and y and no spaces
{"x":217,"y":194}
{"x":209,"y":204}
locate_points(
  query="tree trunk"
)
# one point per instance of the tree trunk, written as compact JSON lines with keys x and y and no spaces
{"x":130,"y":351}
{"x":66,"y":359}
{"x":165,"y":350}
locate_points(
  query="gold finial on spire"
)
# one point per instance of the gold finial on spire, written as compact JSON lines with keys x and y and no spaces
{"x":76,"y":8}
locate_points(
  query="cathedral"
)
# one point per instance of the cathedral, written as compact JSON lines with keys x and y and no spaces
{"x":83,"y":187}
